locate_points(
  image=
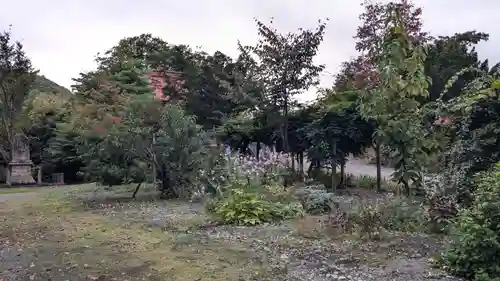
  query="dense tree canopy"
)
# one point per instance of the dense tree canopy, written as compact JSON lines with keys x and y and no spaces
{"x":389,"y":97}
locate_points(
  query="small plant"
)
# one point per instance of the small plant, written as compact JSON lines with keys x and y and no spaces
{"x":242,"y":208}
{"x":392,"y":187}
{"x":475,"y":247}
{"x":364,"y":181}
{"x":401,"y":214}
{"x":245,"y":204}
{"x":318,"y":203}
{"x":315,"y":200}
{"x":367,"y":221}
{"x":441,"y":208}
{"x":340,"y":221}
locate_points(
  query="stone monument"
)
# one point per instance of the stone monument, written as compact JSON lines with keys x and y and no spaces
{"x":20,"y":164}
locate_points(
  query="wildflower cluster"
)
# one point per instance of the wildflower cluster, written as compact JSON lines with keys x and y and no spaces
{"x":270,"y":167}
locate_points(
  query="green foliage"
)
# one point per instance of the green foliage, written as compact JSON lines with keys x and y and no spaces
{"x":448,"y":55}
{"x":337,"y":134}
{"x":398,"y":214}
{"x":243,"y":205}
{"x":286,"y":68}
{"x":45,"y":85}
{"x":16,"y":79}
{"x":243,"y":208}
{"x":401,"y":214}
{"x":472,"y":143}
{"x":318,"y":203}
{"x":315,"y":199}
{"x":475,"y":247}
{"x":367,"y":221}
{"x":394,"y":104}
{"x":364,"y":181}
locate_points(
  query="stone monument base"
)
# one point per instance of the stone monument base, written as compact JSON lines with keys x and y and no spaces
{"x":20,"y":174}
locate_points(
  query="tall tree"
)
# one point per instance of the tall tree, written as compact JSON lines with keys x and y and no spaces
{"x":394,"y":104}
{"x":363,"y":71}
{"x":447,"y":55}
{"x":141,"y":48}
{"x":375,"y":18}
{"x":16,"y":78}
{"x":287,"y":67}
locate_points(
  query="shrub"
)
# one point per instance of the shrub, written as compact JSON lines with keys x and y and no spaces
{"x":242,"y":208}
{"x":244,"y":204}
{"x":319,"y":203}
{"x":367,"y":220}
{"x":340,"y":221}
{"x":401,"y":214}
{"x":474,"y":250}
{"x":364,"y":181}
{"x":315,"y":200}
{"x":441,"y":207}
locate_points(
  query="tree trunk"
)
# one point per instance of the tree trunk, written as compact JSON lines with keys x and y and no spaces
{"x":154,"y":161}
{"x":310,"y":168}
{"x":166,"y":185}
{"x":343,"y":183}
{"x":293,"y":162}
{"x":407,"y":188}
{"x":334,"y":165}
{"x":39,"y":175}
{"x":301,"y":164}
{"x":257,"y":154}
{"x":285,"y":124}
{"x":379,"y":167}
{"x":136,"y":190}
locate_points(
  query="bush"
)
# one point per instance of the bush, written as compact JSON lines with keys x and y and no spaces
{"x":441,"y":207}
{"x":318,"y":202}
{"x":243,"y":204}
{"x":401,"y":214}
{"x":367,"y":221}
{"x":474,"y":250}
{"x":242,"y":208}
{"x":364,"y":181}
{"x":315,"y":199}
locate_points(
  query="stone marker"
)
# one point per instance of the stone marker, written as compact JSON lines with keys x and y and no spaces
{"x":20,"y":165}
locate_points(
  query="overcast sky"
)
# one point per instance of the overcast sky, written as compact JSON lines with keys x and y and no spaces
{"x":62,"y":37}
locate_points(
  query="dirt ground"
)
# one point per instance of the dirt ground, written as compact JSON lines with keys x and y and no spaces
{"x":76,"y":234}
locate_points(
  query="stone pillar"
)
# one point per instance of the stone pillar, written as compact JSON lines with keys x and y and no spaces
{"x":20,"y":164}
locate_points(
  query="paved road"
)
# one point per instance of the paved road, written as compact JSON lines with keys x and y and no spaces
{"x":359,"y":167}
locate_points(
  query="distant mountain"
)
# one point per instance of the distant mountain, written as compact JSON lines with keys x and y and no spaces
{"x":46,"y":85}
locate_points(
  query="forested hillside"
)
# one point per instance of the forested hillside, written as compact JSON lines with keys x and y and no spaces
{"x":46,"y":85}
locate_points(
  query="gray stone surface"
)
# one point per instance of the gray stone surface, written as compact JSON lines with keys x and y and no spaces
{"x":20,"y":165}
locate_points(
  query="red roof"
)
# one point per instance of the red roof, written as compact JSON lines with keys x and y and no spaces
{"x":158,"y":80}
